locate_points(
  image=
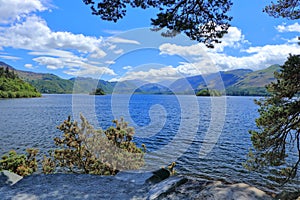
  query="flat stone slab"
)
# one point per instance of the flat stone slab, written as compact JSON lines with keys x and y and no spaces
{"x":165,"y":187}
{"x":126,"y":185}
{"x":69,"y":186}
{"x":8,"y":178}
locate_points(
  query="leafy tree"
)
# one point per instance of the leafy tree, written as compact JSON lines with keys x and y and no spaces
{"x":21,"y":164}
{"x":205,"y":21}
{"x":279,"y":125}
{"x":289,"y":9}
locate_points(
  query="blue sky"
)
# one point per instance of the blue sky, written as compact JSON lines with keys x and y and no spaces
{"x":63,"y":38}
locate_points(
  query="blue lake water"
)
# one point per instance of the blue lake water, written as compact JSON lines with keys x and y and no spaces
{"x":207,"y":137}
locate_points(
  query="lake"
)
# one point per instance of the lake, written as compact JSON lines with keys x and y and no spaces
{"x":207,"y":137}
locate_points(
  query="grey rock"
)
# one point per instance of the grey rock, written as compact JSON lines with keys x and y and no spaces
{"x":239,"y":191}
{"x":139,"y":178}
{"x":126,"y":185}
{"x":8,"y":178}
{"x":165,"y":187}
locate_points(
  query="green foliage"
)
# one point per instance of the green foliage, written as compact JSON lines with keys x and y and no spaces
{"x":279,"y":125}
{"x":289,"y":9}
{"x":205,"y":21}
{"x":11,"y":86}
{"x":207,"y":92}
{"x":49,"y":84}
{"x":98,"y":91}
{"x":82,"y":149}
{"x":20,"y":163}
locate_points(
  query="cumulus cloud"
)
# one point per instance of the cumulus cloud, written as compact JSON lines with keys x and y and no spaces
{"x":260,"y":57}
{"x":16,"y":9}
{"x":89,"y":71}
{"x":55,"y":50}
{"x":150,"y":75}
{"x":29,"y":66}
{"x":198,"y":67}
{"x":74,"y":65}
{"x":34,"y":34}
{"x":290,"y":28}
{"x":234,"y":39}
{"x":174,"y":49}
{"x":294,"y":40}
{"x":168,"y":73}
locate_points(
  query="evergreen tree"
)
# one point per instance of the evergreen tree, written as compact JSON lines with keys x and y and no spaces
{"x":278,"y":135}
{"x":205,"y":21}
{"x":289,"y":9}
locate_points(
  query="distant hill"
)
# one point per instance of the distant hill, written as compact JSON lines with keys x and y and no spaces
{"x":52,"y":84}
{"x":200,"y":82}
{"x":236,"y":82}
{"x":11,"y":86}
{"x":254,"y":83}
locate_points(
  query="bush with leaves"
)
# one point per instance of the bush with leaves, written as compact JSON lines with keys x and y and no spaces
{"x":86,"y":150}
{"x":20,"y":164}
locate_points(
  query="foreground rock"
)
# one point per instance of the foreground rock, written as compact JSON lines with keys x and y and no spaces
{"x":8,"y":178}
{"x":126,"y":185}
{"x":216,"y":190}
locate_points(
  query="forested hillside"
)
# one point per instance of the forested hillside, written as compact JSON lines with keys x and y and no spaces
{"x":11,"y":86}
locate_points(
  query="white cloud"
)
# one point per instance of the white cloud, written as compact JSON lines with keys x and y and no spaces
{"x":50,"y":62}
{"x":110,"y":62}
{"x":119,"y":51}
{"x":7,"y":57}
{"x":76,"y":66}
{"x":55,"y":50}
{"x":89,"y":71}
{"x":169,"y":73}
{"x":122,"y":40}
{"x":234,"y":39}
{"x":34,"y":34}
{"x":196,"y":68}
{"x":174,"y":49}
{"x":127,"y":67}
{"x":11,"y":10}
{"x":290,"y":28}
{"x":151,"y":75}
{"x":29,"y":66}
{"x":260,"y":57}
{"x":294,"y":40}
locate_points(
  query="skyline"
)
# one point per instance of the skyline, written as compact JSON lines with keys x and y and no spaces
{"x":64,"y":38}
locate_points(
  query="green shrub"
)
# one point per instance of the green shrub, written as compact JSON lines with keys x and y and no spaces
{"x":86,"y":150}
{"x":20,"y":163}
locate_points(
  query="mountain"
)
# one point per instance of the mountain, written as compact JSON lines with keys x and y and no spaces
{"x":87,"y":85}
{"x":236,"y":82}
{"x":44,"y":82}
{"x":254,"y":83}
{"x":193,"y":84}
{"x":50,"y":83}
{"x":11,"y":86}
